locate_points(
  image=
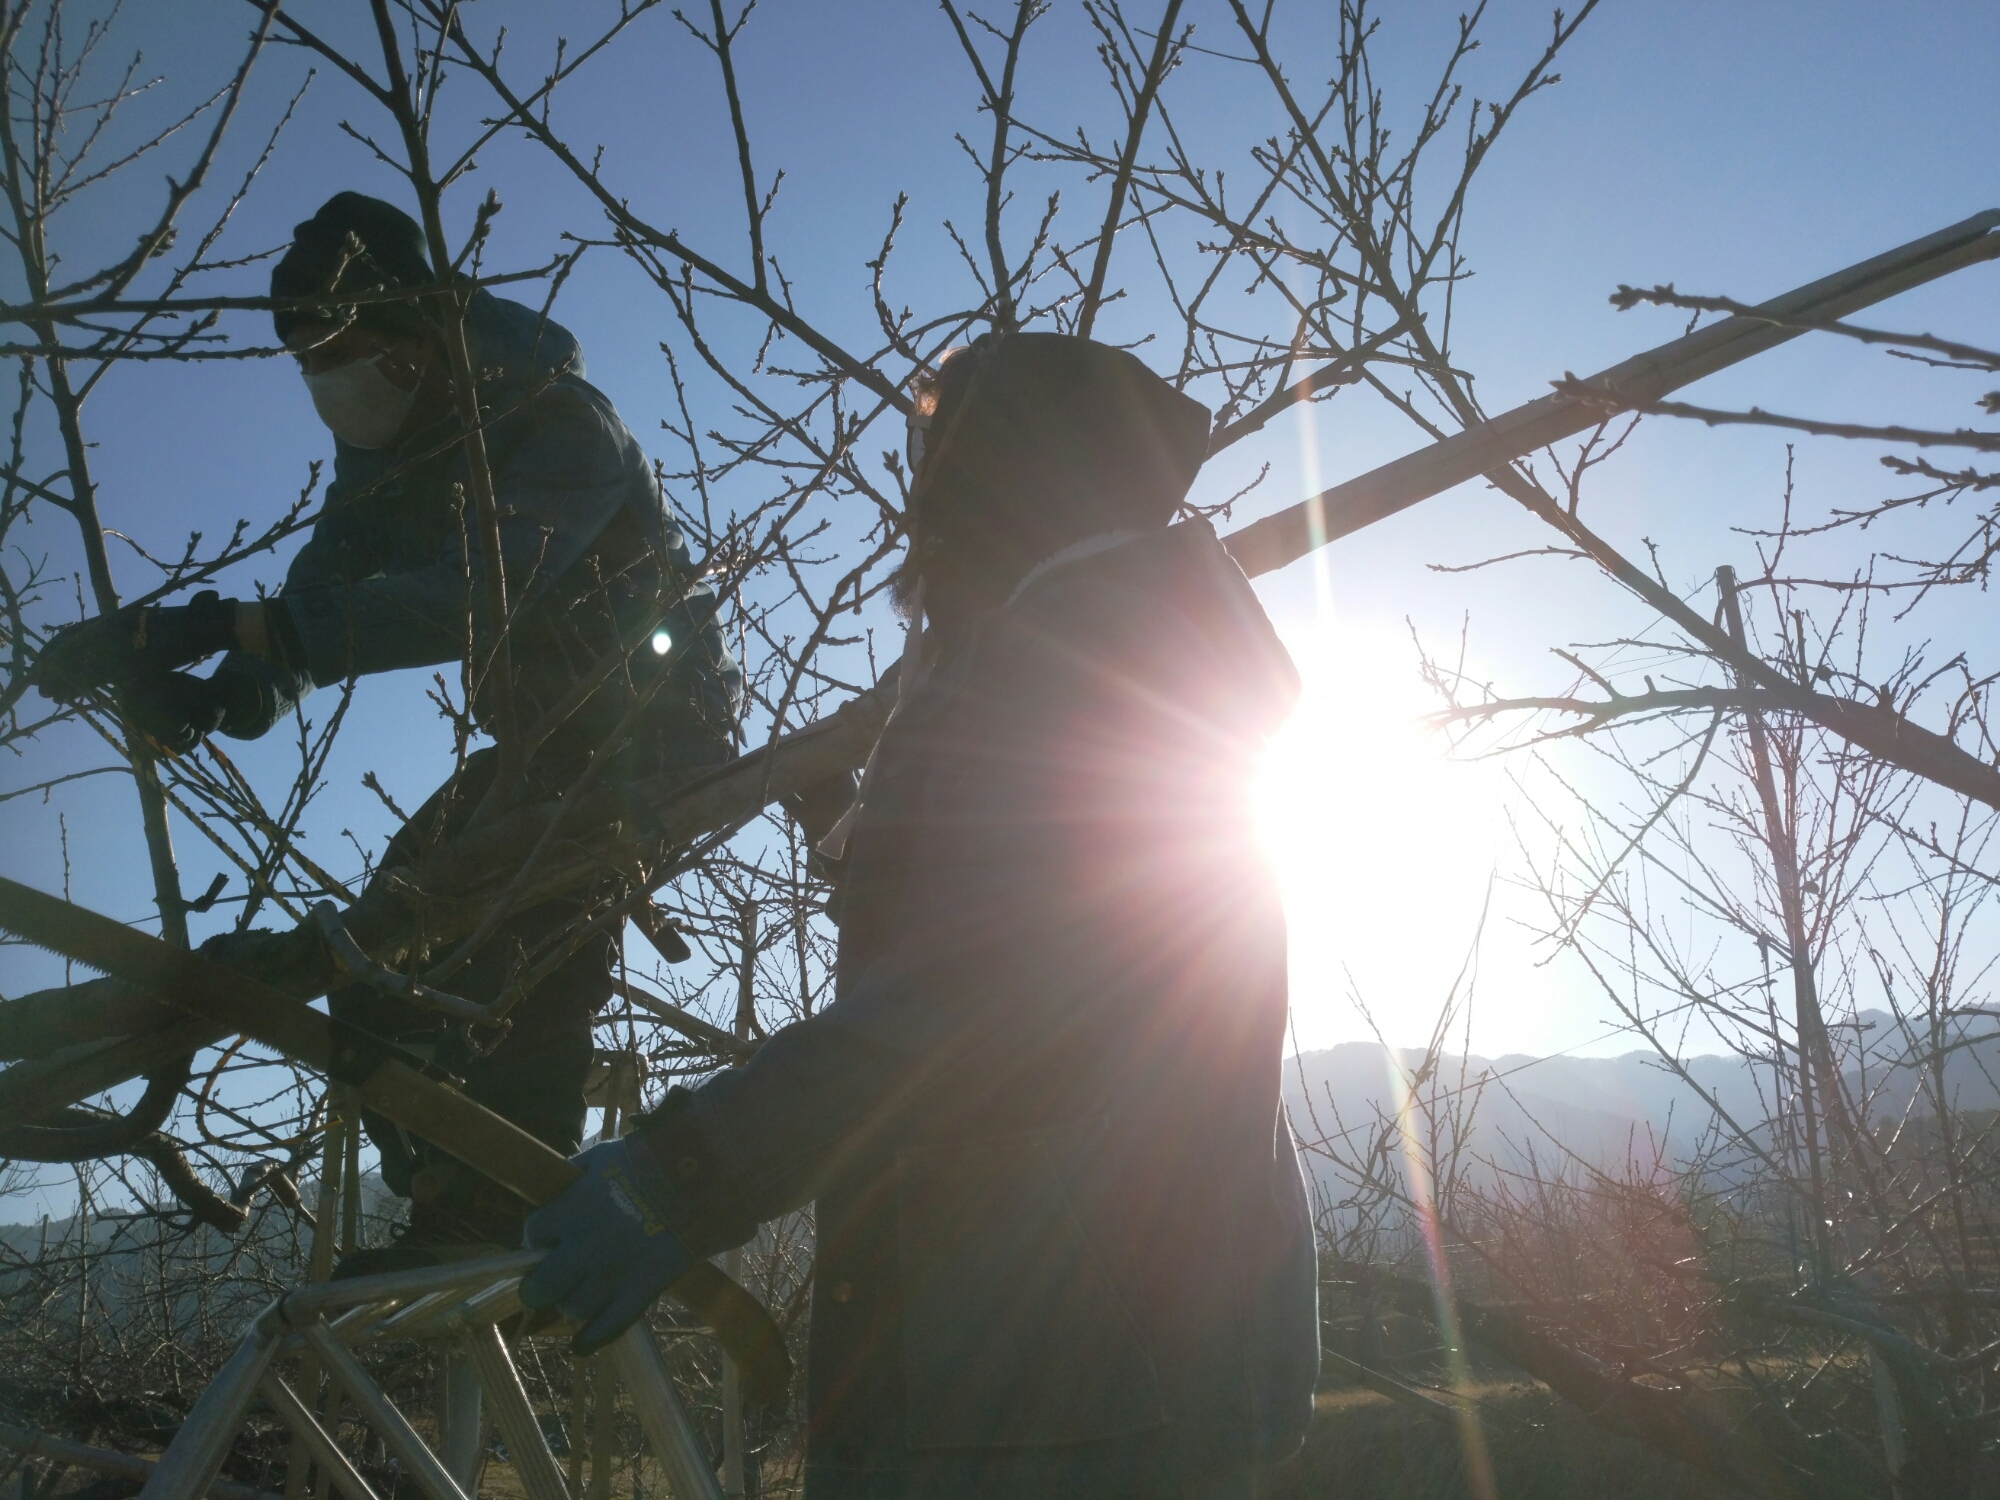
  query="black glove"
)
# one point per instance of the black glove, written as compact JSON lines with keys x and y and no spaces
{"x":174,"y":710}
{"x":139,"y":642}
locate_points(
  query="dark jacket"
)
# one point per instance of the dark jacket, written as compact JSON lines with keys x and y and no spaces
{"x":1063,"y":1240}
{"x":392,"y":572}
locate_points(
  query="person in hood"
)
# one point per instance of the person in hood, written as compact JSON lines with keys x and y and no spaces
{"x":1063,"y":1244}
{"x":392,"y":577}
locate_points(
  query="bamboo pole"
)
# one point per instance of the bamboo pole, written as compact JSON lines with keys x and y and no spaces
{"x":1268,"y":544}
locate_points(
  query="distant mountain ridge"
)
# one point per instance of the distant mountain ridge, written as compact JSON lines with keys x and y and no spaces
{"x":1598,"y":1106}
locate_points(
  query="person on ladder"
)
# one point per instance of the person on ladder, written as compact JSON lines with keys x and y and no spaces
{"x":389,"y":579}
{"x":1063,"y":1242}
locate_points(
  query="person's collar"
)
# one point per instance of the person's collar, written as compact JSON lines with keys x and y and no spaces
{"x":1076,"y":551}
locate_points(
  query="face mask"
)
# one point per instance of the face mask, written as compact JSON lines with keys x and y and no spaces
{"x":359,"y":404}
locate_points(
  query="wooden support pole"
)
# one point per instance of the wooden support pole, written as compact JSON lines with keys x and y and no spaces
{"x":604,"y":1379}
{"x":734,"y":1478}
{"x":347,"y":1142}
{"x":319,"y":1267}
{"x":579,"y":1420}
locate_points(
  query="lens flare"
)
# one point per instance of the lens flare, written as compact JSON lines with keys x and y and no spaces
{"x":1382,"y":845}
{"x":1417,"y":1177}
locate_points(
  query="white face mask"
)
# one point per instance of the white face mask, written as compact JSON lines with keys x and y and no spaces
{"x":359,"y":404}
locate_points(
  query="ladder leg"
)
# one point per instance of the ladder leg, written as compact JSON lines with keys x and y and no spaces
{"x":675,"y":1442}
{"x":459,"y":1445}
{"x":194,"y":1457}
{"x":314,"y":1439}
{"x":322,"y":1481}
{"x":381,"y":1414}
{"x":533,"y":1462}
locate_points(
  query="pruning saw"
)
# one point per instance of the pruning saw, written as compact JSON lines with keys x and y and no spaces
{"x":387,"y":1081}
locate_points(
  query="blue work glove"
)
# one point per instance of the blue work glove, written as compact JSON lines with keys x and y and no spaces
{"x":611,"y":1251}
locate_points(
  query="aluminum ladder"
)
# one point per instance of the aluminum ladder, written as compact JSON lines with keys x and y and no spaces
{"x":459,"y":1307}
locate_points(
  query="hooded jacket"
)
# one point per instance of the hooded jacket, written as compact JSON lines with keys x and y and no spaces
{"x":1063,"y":1244}
{"x":392,"y":572}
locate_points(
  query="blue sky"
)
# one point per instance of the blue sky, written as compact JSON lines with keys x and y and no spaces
{"x":1739,"y":148}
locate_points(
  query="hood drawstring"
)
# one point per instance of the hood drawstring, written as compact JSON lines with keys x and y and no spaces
{"x":1076,"y":551}
{"x":909,"y":677}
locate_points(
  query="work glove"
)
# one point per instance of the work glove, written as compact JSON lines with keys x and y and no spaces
{"x":139,"y":641}
{"x":175,"y":711}
{"x":611,"y":1248}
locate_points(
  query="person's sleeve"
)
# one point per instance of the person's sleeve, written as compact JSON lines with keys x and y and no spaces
{"x":1030,"y":932}
{"x":258,"y":690}
{"x":561,"y":482}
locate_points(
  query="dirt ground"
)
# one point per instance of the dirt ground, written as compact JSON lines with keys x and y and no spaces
{"x":1363,"y":1447}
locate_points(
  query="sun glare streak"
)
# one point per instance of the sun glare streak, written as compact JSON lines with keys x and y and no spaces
{"x":1315,"y":512}
{"x":1417,"y":1175}
{"x":1382,"y":846}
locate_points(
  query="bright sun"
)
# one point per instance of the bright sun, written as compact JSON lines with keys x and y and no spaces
{"x":1383,"y":846}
